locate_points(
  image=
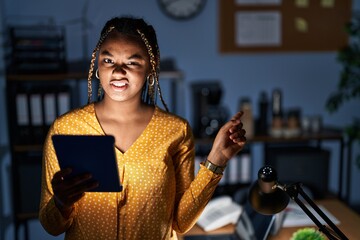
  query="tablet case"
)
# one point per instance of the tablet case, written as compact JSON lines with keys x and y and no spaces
{"x":93,"y":154}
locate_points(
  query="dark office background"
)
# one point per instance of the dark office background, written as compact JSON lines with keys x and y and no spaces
{"x":305,"y":78}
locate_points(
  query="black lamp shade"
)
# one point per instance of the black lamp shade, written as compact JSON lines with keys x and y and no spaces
{"x":267,"y":203}
{"x":263,"y":197}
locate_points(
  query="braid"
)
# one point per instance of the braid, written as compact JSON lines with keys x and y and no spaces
{"x":155,"y":65}
{"x":92,"y":62}
{"x":90,"y":74}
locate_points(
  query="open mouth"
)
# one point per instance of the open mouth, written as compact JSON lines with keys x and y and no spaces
{"x":119,"y":85}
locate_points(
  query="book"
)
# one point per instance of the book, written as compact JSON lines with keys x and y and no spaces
{"x":296,"y":217}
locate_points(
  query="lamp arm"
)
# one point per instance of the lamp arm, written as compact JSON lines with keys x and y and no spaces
{"x":321,"y":214}
{"x":293,"y":191}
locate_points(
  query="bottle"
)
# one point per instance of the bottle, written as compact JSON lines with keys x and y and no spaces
{"x":247,"y":119}
{"x":277,"y":114}
{"x":276,"y":103}
{"x":263,"y":114}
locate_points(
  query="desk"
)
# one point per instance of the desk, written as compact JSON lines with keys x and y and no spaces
{"x":349,"y":222}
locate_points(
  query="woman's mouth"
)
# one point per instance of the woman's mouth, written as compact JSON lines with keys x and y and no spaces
{"x":119,"y":85}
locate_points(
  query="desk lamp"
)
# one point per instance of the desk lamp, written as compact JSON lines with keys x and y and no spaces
{"x":267,"y":196}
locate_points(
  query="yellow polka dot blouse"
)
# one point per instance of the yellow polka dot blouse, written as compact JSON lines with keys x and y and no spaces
{"x":160,"y":195}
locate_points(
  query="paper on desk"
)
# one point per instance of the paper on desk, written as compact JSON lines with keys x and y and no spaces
{"x":296,"y":217}
{"x":219,"y":212}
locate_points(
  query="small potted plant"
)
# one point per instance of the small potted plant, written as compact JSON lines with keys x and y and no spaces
{"x":307,"y":234}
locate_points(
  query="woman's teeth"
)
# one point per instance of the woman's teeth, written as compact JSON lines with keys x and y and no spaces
{"x":119,"y":84}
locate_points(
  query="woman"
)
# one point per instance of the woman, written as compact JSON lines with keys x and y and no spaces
{"x":154,"y":150}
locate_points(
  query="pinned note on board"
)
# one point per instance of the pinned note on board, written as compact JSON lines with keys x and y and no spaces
{"x":327,"y":3}
{"x":301,"y":25}
{"x":302,"y":3}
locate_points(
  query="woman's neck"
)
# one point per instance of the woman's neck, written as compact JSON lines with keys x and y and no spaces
{"x":122,"y":111}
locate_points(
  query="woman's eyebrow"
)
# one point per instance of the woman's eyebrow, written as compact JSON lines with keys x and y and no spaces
{"x":133,"y":56}
{"x":106,"y":53}
{"x":136,"y":56}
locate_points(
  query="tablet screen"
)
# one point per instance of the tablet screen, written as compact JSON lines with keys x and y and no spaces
{"x":94,"y":154}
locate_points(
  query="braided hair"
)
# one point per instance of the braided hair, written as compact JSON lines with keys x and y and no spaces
{"x":136,"y":28}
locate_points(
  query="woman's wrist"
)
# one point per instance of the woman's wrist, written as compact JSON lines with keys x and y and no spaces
{"x":65,"y":210}
{"x":213,"y":167}
{"x":217,"y":159}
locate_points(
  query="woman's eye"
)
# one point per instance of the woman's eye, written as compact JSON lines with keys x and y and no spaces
{"x":107,"y":60}
{"x":133,"y":63}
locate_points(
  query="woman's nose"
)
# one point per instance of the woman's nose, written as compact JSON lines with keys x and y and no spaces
{"x":119,"y":69}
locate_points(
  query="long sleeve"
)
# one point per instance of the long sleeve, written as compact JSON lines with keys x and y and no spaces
{"x":192,"y":194}
{"x":50,"y":216}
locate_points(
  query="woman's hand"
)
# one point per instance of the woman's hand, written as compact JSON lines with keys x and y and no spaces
{"x":228,"y":142}
{"x":70,"y":189}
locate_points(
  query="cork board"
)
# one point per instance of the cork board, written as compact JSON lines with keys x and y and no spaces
{"x":282,"y":25}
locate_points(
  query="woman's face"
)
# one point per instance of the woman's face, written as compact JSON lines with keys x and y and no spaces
{"x":123,"y":66}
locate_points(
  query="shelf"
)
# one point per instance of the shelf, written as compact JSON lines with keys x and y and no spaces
{"x":78,"y":70}
{"x":35,"y":49}
{"x":178,"y":75}
{"x":28,"y":148}
{"x":47,"y":76}
{"x":326,"y":134}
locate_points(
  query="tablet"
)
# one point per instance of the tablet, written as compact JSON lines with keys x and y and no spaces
{"x":94,"y":154}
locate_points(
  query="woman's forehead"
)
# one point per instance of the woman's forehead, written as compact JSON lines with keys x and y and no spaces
{"x":116,"y":37}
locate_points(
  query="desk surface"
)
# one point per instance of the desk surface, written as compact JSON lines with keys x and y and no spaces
{"x":349,"y":222}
